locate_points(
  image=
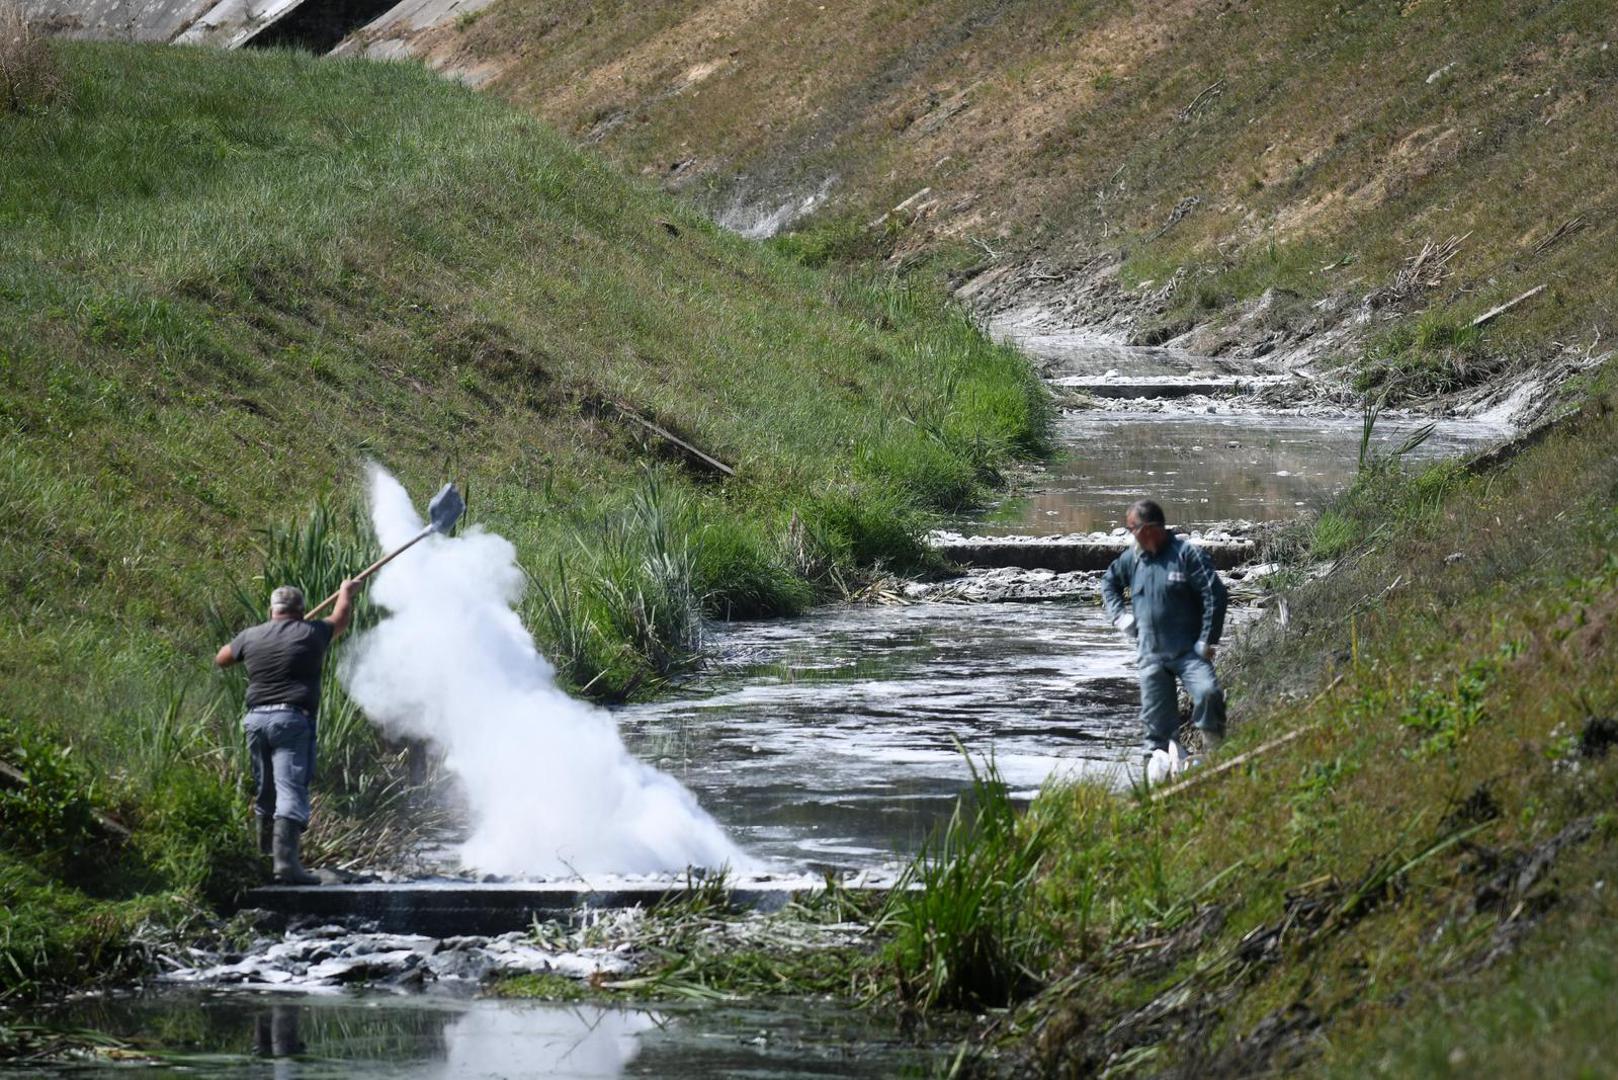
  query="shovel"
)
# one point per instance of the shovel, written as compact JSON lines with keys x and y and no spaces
{"x":442,"y":513}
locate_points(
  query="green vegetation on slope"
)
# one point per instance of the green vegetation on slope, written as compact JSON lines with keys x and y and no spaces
{"x":1417,"y":883}
{"x":229,"y":280}
{"x":1220,"y":150}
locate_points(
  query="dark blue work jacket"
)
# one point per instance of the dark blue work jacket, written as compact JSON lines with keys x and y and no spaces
{"x":1176,"y":596}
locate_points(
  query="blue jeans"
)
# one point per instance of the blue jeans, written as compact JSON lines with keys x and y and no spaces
{"x":281,"y":744}
{"x":1159,"y":707}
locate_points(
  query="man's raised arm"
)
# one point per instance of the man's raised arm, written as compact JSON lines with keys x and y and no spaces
{"x":344,"y":609}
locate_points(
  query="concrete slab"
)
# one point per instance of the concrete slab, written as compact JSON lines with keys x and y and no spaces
{"x":448,"y":908}
{"x":117,"y":20}
{"x":223,"y":23}
{"x":389,"y":35}
{"x":1167,"y":386}
{"x":230,"y":24}
{"x":1066,"y":554}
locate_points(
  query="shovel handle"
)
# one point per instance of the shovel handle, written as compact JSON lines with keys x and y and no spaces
{"x":373,"y":568}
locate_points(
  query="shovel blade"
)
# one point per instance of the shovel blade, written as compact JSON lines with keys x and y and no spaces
{"x":445,"y":509}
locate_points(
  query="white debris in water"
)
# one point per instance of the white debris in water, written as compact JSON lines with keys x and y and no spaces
{"x":552,"y":790}
{"x":331,"y":957}
{"x":1501,"y":411}
{"x":1006,"y":584}
{"x":1234,"y":532}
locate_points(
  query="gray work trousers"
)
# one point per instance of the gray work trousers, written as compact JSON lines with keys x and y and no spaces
{"x":1159,"y":705}
{"x":281,"y":744}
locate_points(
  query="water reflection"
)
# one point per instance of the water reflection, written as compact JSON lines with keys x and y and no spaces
{"x":584,"y":1041}
{"x":234,"y":1034}
{"x":1205,"y":468}
{"x":1064,"y":350}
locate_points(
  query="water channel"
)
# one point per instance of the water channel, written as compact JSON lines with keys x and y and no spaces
{"x":236,"y":1035}
{"x":828,"y":741}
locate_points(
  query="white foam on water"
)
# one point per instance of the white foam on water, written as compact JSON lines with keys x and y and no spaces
{"x":551,"y":787}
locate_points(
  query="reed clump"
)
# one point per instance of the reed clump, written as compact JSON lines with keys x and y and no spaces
{"x":30,"y":78}
{"x":962,"y":932}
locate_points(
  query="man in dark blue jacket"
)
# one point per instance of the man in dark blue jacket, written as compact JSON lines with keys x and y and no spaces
{"x":1175,"y":611}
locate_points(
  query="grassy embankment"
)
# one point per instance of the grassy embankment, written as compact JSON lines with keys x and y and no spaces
{"x":226,"y":281}
{"x":1216,"y":150}
{"x":1418,"y":883}
{"x":1407,"y":871}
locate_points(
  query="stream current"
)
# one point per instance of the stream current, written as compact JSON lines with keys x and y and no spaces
{"x":827,"y":741}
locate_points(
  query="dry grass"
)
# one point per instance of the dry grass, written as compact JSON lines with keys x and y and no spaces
{"x":1323,"y":143}
{"x":29,"y":76}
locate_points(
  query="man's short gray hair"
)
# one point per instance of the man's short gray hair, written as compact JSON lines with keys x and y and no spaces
{"x":286,"y":598}
{"x":1148,"y":512}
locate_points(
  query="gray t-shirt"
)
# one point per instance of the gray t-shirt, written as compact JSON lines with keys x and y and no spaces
{"x":283,"y":658}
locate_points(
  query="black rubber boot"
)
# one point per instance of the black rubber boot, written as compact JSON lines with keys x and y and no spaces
{"x":266,"y":834}
{"x":288,"y":865}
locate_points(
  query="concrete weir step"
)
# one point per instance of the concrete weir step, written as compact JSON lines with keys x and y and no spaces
{"x":1167,"y":386}
{"x":1066,"y":554}
{"x":448,"y":908}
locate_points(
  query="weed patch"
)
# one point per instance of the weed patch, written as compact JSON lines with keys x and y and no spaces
{"x":1438,"y":353}
{"x":963,"y":936}
{"x":29,"y":76}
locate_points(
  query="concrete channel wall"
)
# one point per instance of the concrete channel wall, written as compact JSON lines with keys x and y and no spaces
{"x":118,"y":20}
{"x":229,"y":24}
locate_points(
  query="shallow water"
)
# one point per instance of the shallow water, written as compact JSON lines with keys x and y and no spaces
{"x":830,"y":740}
{"x":1206,"y":468}
{"x":243,"y":1035}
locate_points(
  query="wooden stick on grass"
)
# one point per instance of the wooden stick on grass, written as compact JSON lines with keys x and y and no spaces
{"x":1199,"y":775}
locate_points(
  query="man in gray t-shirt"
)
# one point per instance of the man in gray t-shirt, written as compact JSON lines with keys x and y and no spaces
{"x":284,"y":659}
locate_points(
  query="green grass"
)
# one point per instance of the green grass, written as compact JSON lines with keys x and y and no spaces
{"x":229,"y":280}
{"x":1419,"y":883}
{"x":962,"y":935}
{"x":1435,"y":353}
{"x":1550,"y":1011}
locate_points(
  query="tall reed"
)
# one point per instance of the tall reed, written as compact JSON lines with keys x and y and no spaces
{"x":962,"y":936}
{"x":29,"y":76}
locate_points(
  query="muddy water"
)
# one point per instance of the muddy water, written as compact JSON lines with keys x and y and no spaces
{"x":286,"y":1036}
{"x":1207,"y":468}
{"x":831,"y":740}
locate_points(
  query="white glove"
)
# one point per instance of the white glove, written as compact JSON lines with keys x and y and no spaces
{"x":1125,"y":623}
{"x":1203,"y":649}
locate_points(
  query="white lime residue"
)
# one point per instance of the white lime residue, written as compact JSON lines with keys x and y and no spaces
{"x":551,"y":787}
